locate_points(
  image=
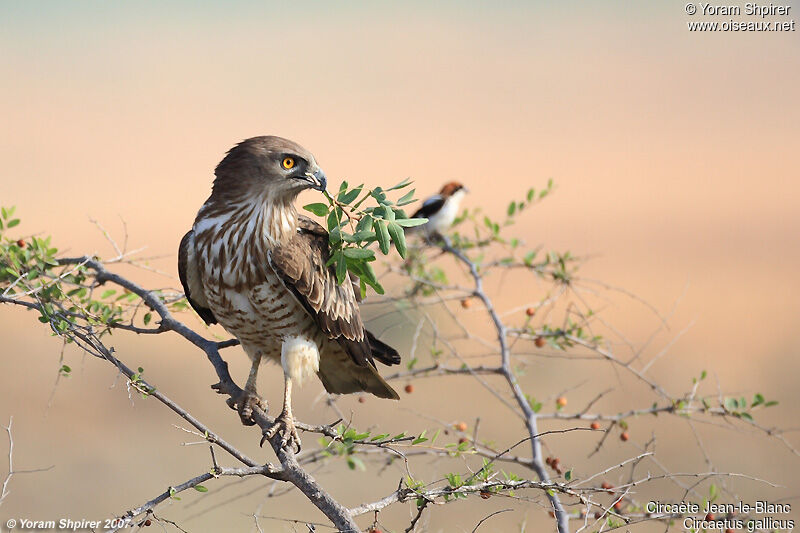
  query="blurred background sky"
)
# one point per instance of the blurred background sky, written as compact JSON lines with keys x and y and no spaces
{"x":674,"y":154}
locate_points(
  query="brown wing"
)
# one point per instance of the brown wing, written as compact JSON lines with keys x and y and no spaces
{"x":301,"y":266}
{"x":190,"y":279}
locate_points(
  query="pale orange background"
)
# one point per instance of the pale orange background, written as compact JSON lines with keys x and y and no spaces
{"x":674,"y":154}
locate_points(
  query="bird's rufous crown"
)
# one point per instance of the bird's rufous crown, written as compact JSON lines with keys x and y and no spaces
{"x":451,"y":188}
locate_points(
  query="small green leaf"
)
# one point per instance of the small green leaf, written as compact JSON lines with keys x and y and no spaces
{"x":388,"y":213}
{"x":378,"y":194}
{"x":341,"y":270}
{"x":347,"y":198}
{"x":147,"y":318}
{"x":398,"y":238}
{"x":335,"y":234}
{"x":410,"y":222}
{"x":407,"y":198}
{"x":568,"y":474}
{"x":365,"y":224}
{"x":364,"y":235}
{"x":359,"y":253}
{"x":106,"y":294}
{"x":12,"y":223}
{"x":318,"y":209}
{"x":405,"y":183}
{"x":200,"y":488}
{"x":382,"y":234}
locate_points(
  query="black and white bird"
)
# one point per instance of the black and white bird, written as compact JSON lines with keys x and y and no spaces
{"x":441,"y":209}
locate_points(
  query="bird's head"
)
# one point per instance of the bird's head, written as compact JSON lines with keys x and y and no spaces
{"x":270,"y":166}
{"x":452,"y":188}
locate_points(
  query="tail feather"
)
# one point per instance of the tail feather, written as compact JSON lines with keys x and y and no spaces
{"x":341,"y":375}
{"x":382,"y":351}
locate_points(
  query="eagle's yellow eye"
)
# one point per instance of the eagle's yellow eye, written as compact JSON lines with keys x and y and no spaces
{"x":288,"y":163}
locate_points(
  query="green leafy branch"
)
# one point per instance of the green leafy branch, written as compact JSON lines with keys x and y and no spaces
{"x":353,"y":227}
{"x":64,"y":293}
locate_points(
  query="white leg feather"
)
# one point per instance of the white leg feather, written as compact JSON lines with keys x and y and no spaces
{"x":299,"y":358}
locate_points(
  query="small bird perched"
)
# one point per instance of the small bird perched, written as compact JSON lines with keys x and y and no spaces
{"x":440,"y":209}
{"x":251,"y":263}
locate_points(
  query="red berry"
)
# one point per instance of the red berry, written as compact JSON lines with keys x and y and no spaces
{"x":466,"y":303}
{"x":462,"y":440}
{"x":561,"y":401}
{"x":361,"y":399}
{"x":530,"y":311}
{"x":461,"y":426}
{"x":147,"y":522}
{"x":539,"y":342}
{"x":624,"y":436}
{"x":597,"y":515}
{"x":710,"y":517}
{"x":595,"y":425}
{"x":409,"y":388}
{"x":607,"y":486}
{"x":21,"y":243}
{"x":618,"y":506}
{"x":485,"y":494}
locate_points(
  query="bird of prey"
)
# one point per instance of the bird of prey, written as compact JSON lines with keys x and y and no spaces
{"x":259,"y":269}
{"x":440,"y":209}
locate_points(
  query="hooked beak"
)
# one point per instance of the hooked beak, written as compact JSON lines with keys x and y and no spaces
{"x":318,"y":180}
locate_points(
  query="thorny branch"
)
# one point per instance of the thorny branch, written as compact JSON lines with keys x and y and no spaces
{"x":531,"y":419}
{"x":85,"y":328}
{"x":290,"y":469}
{"x":4,"y":490}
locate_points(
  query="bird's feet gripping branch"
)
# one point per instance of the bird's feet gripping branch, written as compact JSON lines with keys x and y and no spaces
{"x":243,"y":402}
{"x":284,"y":424}
{"x":300,"y":360}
